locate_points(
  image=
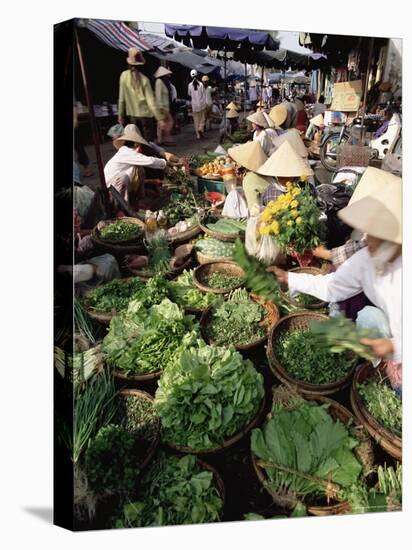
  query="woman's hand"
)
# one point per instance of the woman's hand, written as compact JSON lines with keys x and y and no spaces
{"x":381,"y":347}
{"x":172,"y":159}
{"x":322,"y":252}
{"x":281,"y":275}
{"x":120,"y":120}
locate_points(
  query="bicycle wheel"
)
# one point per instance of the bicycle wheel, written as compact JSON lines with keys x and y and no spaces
{"x":327,"y":151}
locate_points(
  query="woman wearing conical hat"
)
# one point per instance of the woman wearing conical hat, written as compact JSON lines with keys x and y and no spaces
{"x":163,"y":94}
{"x":375,"y":270}
{"x":259,"y":127}
{"x":250,"y":157}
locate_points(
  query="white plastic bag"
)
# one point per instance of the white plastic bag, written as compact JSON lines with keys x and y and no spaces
{"x":263,"y":248}
{"x":235,"y":206}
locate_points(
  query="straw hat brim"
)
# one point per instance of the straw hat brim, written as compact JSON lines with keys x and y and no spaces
{"x":121,"y":140}
{"x":162,"y":71}
{"x":278,"y":114}
{"x":250,"y":155}
{"x":372,"y":183}
{"x":259,"y":119}
{"x":286,"y":163}
{"x":293,"y":137}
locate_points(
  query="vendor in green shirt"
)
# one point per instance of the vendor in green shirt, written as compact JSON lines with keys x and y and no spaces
{"x":136,"y":98}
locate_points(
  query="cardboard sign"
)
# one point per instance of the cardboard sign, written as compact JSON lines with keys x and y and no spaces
{"x":347,"y":96}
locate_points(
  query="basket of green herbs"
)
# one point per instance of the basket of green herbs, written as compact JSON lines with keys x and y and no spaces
{"x":243,"y":321}
{"x":175,"y":490}
{"x":208,"y":398}
{"x":310,"y":453}
{"x":218,"y":277}
{"x":296,"y":359}
{"x":121,"y":231}
{"x":303,"y":301}
{"x":378,"y":407}
{"x":183,"y":292}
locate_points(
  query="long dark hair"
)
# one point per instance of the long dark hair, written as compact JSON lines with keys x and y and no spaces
{"x":195,"y":82}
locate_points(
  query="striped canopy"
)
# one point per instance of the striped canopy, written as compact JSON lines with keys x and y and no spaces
{"x":116,"y":34}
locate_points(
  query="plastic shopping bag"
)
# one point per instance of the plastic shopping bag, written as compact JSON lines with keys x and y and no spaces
{"x":235,"y":206}
{"x":264,"y":248}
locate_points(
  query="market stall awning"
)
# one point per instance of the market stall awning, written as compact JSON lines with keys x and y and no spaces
{"x":189,"y":59}
{"x":117,"y":35}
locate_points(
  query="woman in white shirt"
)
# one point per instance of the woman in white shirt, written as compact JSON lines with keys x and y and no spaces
{"x":375,"y":270}
{"x":259,"y":125}
{"x":196,"y":92}
{"x":121,"y":171}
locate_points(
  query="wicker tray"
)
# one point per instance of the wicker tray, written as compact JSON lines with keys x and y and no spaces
{"x":228,"y":268}
{"x":102,"y":318}
{"x":222,"y":236}
{"x":301,"y":321}
{"x":145,"y":275}
{"x":203,"y":259}
{"x":390,"y":442}
{"x":133,"y":380}
{"x":185,"y":236}
{"x":271,"y":309}
{"x":338,"y":412}
{"x":285,"y":296}
{"x":129,"y":242}
{"x":228,"y":442}
{"x":152,"y":448}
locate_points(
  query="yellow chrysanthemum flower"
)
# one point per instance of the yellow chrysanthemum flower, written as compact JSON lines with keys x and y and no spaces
{"x":294,"y":213}
{"x":303,"y":178}
{"x":264,"y":230}
{"x":294,"y":203}
{"x":274,"y":227}
{"x":296,"y":191}
{"x":288,"y":185}
{"x":290,"y":222}
{"x":298,"y":220}
{"x":266,"y":215}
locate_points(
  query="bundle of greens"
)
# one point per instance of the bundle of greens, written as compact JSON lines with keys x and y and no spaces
{"x":120,"y":230}
{"x":238,"y":321}
{"x":196,"y":161}
{"x":115,"y":295}
{"x":174,"y":491}
{"x":94,"y":406}
{"x":222,"y":280}
{"x":159,"y":254}
{"x":144,"y":341}
{"x":383,"y":404}
{"x":182,"y":206}
{"x":154,"y":291}
{"x":299,"y":354}
{"x":339,"y":334}
{"x":109,"y":460}
{"x":82,"y":323}
{"x":206,"y":395}
{"x":183,"y":292}
{"x":257,"y":279}
{"x":228,"y":226}
{"x":305,"y":300}
{"x":78,"y":366}
{"x":214,"y":248}
{"x":305,"y":453}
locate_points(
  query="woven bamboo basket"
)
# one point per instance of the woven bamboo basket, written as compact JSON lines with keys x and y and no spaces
{"x":203,"y":259}
{"x":129,"y":242}
{"x":227,"y":268}
{"x":365,"y":456}
{"x":102,"y":318}
{"x":228,"y":442}
{"x":272,"y":315}
{"x":231,"y":237}
{"x":293,"y":322}
{"x":391,"y":443}
{"x":185,"y":236}
{"x":133,"y":380}
{"x":285,"y":296}
{"x":153,"y":446}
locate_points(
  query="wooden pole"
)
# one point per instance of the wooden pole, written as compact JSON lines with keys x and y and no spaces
{"x":246,"y":92}
{"x":95,"y":134}
{"x":365,"y":91}
{"x":225,"y":76}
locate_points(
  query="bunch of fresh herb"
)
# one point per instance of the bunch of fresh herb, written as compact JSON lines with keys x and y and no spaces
{"x":159,"y":254}
{"x":339,"y":334}
{"x":206,"y":395}
{"x":120,"y":230}
{"x":305,"y":453}
{"x":222,"y":280}
{"x":183,"y":292}
{"x":383,"y":404}
{"x":109,"y":460}
{"x":305,"y":300}
{"x":82,"y":322}
{"x":300,"y":355}
{"x":175,"y":491}
{"x":154,"y":291}
{"x":114,"y":295}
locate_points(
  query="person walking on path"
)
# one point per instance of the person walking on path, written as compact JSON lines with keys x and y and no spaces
{"x":209,"y":100}
{"x":196,"y":92}
{"x":163,"y":93}
{"x":136,"y":99}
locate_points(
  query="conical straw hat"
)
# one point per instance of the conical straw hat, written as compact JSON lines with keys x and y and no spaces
{"x":258,"y":118}
{"x":250,"y":155}
{"x":232,"y":114}
{"x":162,"y":71}
{"x":293,"y":137}
{"x":130,"y":133}
{"x":285,"y":163}
{"x":278,"y":114}
{"x":269,"y":121}
{"x":318,"y":120}
{"x":231,"y":105}
{"x":373,"y":182}
{"x":378,"y":214}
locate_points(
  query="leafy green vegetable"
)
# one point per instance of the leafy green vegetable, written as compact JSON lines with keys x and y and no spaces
{"x":159,"y":254}
{"x":383,"y":404}
{"x":214,"y":248}
{"x":257,"y":279}
{"x":142,"y":341}
{"x":174,"y":491}
{"x":205,"y":395}
{"x":222,"y":280}
{"x":298,"y":353}
{"x":115,"y":295}
{"x":227,"y":225}
{"x":109,"y":460}
{"x":183,"y":292}
{"x":120,"y":230}
{"x":306,"y":300}
{"x":339,"y":334}
{"x":306,"y":453}
{"x":82,"y":322}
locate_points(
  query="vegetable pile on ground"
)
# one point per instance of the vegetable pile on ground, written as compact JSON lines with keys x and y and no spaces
{"x":383,"y":403}
{"x":339,"y":334}
{"x":214,"y":248}
{"x":174,"y":491}
{"x":299,"y":354}
{"x":120,"y":230}
{"x":182,"y":206}
{"x":306,"y":454}
{"x":229,"y":226}
{"x":196,"y":161}
{"x":238,"y":321}
{"x":257,"y":279}
{"x":305,"y":300}
{"x":115,"y":295}
{"x":142,"y":341}
{"x":159,"y":255}
{"x":206,"y":395}
{"x":222,"y":280}
{"x":183,"y":292}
